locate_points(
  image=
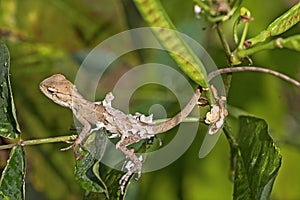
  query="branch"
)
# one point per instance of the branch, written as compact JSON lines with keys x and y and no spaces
{"x":253,"y":69}
{"x":40,"y":141}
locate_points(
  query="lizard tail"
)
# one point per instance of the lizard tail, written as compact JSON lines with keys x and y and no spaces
{"x":171,"y":123}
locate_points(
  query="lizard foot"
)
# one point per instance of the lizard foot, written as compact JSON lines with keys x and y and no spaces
{"x":75,"y":146}
{"x":131,"y":167}
{"x":67,"y":148}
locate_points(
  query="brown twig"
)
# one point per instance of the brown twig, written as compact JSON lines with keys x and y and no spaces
{"x":253,"y":69}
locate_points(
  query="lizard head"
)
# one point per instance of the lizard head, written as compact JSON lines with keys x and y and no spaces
{"x":58,"y":89}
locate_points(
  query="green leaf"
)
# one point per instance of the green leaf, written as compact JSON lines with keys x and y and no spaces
{"x":257,"y":160}
{"x":279,"y":25}
{"x":12,"y":184}
{"x":12,"y":180}
{"x":285,"y":21}
{"x":155,"y":15}
{"x":100,"y":181}
{"x":111,"y":178}
{"x":94,"y":196}
{"x":292,"y":42}
{"x":3,"y":197}
{"x":85,"y":176}
{"x":9,"y":126}
{"x":84,"y":170}
{"x":96,"y":142}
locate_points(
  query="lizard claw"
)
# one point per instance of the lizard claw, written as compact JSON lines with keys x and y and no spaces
{"x":67,"y":148}
{"x":131,"y":167}
{"x":125,"y":178}
{"x":75,"y":146}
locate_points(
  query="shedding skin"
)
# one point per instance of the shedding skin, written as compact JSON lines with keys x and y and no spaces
{"x":130,"y":128}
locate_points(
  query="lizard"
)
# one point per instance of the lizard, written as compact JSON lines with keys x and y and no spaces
{"x":130,"y":128}
{"x":101,"y":114}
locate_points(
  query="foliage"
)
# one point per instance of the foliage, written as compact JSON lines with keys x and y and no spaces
{"x":257,"y":160}
{"x":12,"y":183}
{"x":38,"y":49}
{"x":9,"y":124}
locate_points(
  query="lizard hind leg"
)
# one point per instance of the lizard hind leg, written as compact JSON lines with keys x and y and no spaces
{"x":133,"y":165}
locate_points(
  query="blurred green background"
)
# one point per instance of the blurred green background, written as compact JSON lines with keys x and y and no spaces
{"x":47,"y":37}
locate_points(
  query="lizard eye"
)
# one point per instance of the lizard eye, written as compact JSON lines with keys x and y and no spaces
{"x":51,"y":90}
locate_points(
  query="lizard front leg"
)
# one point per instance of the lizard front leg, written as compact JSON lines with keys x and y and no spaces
{"x":86,"y":127}
{"x":136,"y":163}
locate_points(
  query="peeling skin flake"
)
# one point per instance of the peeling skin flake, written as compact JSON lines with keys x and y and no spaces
{"x":216,"y":116}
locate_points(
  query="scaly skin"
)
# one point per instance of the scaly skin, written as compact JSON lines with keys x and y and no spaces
{"x":130,"y":128}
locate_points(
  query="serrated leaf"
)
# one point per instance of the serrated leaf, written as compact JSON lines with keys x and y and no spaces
{"x":9,"y":126}
{"x":12,"y":184}
{"x":84,"y":174}
{"x":257,"y":160}
{"x":93,"y":176}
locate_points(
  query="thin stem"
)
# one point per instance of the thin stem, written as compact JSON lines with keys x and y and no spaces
{"x":231,"y":57}
{"x":227,"y":130}
{"x":7,"y":146}
{"x":254,"y":69}
{"x":228,"y":53}
{"x":232,"y":144}
{"x":224,"y":41}
{"x":241,"y":53}
{"x":40,"y":141}
{"x":244,"y":35}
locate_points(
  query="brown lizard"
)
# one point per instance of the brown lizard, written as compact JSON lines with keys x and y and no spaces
{"x":130,"y":128}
